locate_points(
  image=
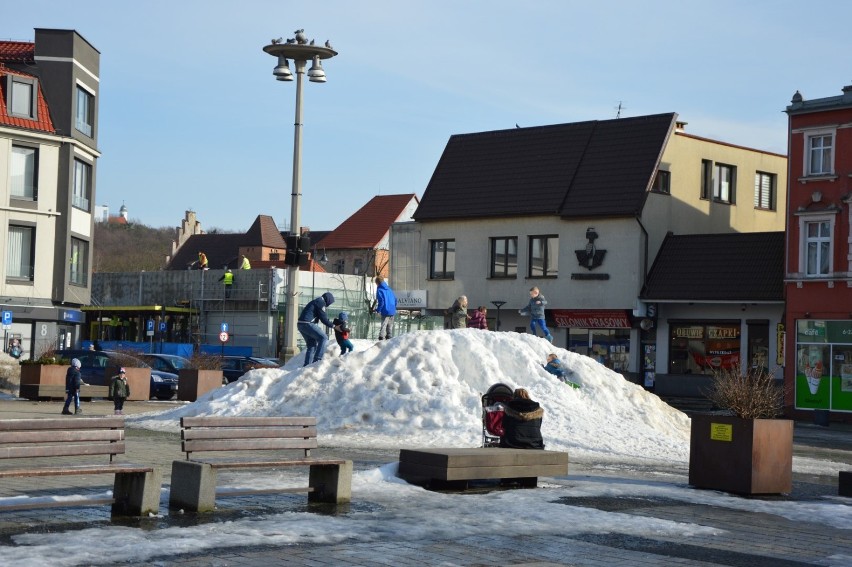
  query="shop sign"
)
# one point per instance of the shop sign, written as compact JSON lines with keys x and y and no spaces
{"x":688,"y":332}
{"x":584,"y":319}
{"x":413,"y":299}
{"x":839,"y":332}
{"x":781,"y":341}
{"x":808,"y":331}
{"x":723,"y":332}
{"x":71,"y":315}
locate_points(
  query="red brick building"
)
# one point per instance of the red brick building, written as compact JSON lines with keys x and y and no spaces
{"x":818,"y":358}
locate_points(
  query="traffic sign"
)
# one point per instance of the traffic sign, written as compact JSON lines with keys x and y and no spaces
{"x":223,"y":336}
{"x":150,"y":326}
{"x":7,"y":317}
{"x":224,"y":328}
{"x":162,"y":326}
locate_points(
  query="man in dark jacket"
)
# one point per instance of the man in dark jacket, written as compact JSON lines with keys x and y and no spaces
{"x":522,"y":422}
{"x":73,"y":381}
{"x":315,"y":337}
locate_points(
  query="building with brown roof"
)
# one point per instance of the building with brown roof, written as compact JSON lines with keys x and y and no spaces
{"x":578,"y":210}
{"x":360,"y":244}
{"x":49,"y":146}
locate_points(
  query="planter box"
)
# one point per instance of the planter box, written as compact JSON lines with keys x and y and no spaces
{"x":139,"y":380}
{"x":744,"y":456}
{"x":35,"y":375}
{"x":194,"y":383}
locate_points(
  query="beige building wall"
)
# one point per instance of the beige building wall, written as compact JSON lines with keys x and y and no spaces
{"x":42,"y":215}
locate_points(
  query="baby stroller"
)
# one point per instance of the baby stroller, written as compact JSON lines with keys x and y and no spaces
{"x":492,"y":417}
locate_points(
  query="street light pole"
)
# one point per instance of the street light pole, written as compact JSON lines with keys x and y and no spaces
{"x":300,"y":51}
{"x":498,"y":304}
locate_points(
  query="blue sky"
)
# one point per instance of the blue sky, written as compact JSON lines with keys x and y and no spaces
{"x":192,"y":118}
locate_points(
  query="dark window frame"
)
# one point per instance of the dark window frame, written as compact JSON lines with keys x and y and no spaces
{"x":11,"y":79}
{"x":80,"y":276}
{"x":88,"y":121}
{"x":662,"y":182}
{"x":759,"y":176}
{"x":83,"y":202}
{"x":35,"y":150}
{"x":503,"y":269}
{"x":546,"y":271}
{"x":442,"y":247}
{"x":30,"y":276}
{"x":706,"y":178}
{"x":717,"y":183}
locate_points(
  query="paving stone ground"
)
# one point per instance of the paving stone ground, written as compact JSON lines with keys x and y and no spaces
{"x":751,"y":538}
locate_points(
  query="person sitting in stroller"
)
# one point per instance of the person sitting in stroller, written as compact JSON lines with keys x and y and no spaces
{"x":522,"y":422}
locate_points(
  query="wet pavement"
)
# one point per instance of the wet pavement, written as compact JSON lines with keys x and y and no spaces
{"x":750,"y":537}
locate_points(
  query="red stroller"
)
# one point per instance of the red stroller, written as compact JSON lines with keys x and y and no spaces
{"x":492,"y":417}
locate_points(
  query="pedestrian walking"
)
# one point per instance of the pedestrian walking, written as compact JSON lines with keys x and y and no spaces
{"x":315,"y":337}
{"x":458,"y":313}
{"x":386,"y":307}
{"x":479,"y":319}
{"x":535,"y":309}
{"x":73,"y":381}
{"x":119,"y":390}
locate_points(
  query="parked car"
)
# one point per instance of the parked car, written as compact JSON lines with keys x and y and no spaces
{"x":233,"y":367}
{"x":171,"y":363}
{"x":164,"y":385}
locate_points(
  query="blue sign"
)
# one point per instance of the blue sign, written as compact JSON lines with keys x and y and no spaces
{"x":162,"y":326}
{"x":72,"y":315}
{"x":7,"y":317}
{"x":150,"y":325}
{"x":224,"y":328}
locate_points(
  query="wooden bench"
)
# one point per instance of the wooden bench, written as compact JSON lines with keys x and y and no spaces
{"x":38,"y":443}
{"x":454,"y":468}
{"x":844,"y":483}
{"x":193,"y":485}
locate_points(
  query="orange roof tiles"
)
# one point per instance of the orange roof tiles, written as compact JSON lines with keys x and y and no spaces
{"x":21,"y":52}
{"x":368,"y":226}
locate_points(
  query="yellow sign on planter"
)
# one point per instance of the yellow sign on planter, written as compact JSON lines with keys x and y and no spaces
{"x":721,"y":431}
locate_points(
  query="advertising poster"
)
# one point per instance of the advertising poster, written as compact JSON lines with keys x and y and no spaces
{"x":824,"y":365}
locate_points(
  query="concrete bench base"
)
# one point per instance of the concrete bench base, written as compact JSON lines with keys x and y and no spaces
{"x":453,"y":468}
{"x":193,"y":485}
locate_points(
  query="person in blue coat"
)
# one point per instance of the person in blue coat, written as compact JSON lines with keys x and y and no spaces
{"x":315,"y":337}
{"x":535,"y":309}
{"x":386,"y":307}
{"x":73,"y":381}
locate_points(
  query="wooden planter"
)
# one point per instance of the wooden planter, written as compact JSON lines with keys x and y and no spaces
{"x":194,"y":383}
{"x":34,"y":376}
{"x":744,"y":456}
{"x":139,"y":380}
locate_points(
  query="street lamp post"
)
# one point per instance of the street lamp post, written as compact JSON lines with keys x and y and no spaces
{"x":323,"y":261}
{"x":300,"y":51}
{"x":498,"y":305}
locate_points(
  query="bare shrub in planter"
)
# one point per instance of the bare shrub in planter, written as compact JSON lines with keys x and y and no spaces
{"x":205,"y":361}
{"x":754,"y":394}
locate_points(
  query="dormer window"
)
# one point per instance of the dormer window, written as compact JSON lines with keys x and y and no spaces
{"x":22,"y":97}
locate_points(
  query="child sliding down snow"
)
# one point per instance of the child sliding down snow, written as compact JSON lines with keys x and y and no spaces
{"x":554,"y":366}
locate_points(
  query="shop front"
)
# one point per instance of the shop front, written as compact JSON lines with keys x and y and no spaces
{"x":604,"y":335}
{"x":823,"y":365}
{"x":697,"y":347}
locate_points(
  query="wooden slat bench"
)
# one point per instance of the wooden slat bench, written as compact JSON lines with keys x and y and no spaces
{"x":38,"y":443}
{"x":453,"y":468}
{"x":193,"y":485}
{"x":844,"y":483}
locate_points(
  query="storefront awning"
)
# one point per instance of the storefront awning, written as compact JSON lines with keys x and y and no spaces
{"x":592,"y":319}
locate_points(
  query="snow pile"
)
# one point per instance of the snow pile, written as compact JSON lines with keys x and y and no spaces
{"x":424,"y":389}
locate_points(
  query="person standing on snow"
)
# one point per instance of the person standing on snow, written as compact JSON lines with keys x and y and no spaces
{"x":119,"y":390}
{"x":341,"y":333}
{"x":386,"y":307}
{"x":315,"y":337}
{"x":535,"y":309}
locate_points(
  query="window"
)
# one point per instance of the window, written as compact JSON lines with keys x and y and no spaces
{"x":22,"y":96}
{"x":85,"y":111}
{"x":724,"y":183}
{"x":819,"y":157}
{"x":706,"y":178}
{"x":23,"y":168}
{"x":544,"y":256}
{"x":442,"y":259}
{"x":359,"y":266}
{"x":764,"y":191}
{"x":338,"y":267}
{"x":504,"y":257}
{"x":817,"y":248}
{"x":661,"y":182}
{"x":703,"y":348}
{"x":79,"y":272}
{"x":82,"y":184}
{"x":20,"y":253}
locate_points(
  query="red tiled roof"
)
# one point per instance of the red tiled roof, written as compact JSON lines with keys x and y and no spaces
{"x":44,"y":123}
{"x":18,"y":51}
{"x":368,"y":226}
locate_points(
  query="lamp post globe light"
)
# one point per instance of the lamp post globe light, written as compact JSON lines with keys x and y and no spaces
{"x":300,"y":51}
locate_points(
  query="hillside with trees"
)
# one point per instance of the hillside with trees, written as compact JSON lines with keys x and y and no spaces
{"x":130,"y":247}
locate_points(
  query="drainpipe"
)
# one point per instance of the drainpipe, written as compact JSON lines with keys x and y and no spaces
{"x":644,"y":252}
